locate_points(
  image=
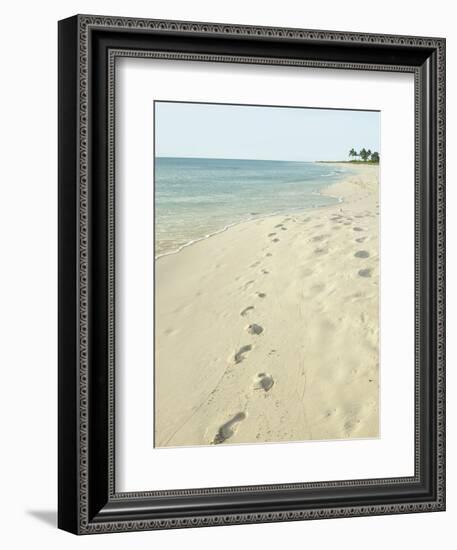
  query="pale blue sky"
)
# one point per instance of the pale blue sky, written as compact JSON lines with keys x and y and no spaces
{"x":266,"y":133}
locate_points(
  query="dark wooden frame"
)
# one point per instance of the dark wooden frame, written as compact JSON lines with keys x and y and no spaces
{"x":88,"y":46}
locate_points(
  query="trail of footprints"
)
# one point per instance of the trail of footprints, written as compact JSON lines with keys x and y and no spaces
{"x":263,"y":381}
{"x":346,"y":220}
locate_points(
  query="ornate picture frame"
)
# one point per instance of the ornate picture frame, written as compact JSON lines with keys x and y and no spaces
{"x":88,"y":500}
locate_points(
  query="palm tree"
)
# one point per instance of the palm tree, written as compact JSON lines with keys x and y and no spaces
{"x":368,"y":154}
{"x":375,"y":156}
{"x":363,"y":154}
{"x":353,"y":152}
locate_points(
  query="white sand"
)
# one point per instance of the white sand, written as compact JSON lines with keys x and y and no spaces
{"x":269,"y":331}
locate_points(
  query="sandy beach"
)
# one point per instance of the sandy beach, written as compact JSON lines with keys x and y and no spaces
{"x":268,"y":332}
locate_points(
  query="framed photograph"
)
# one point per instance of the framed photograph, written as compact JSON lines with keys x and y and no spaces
{"x":251,"y":274}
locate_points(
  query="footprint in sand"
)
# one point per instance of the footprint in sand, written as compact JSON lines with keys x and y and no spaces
{"x":279,"y":225}
{"x":247,"y":284}
{"x":246,"y":310}
{"x":357,"y":229}
{"x":239,"y":355}
{"x":361,"y":240}
{"x":365,"y":272}
{"x":362,"y":254}
{"x":305,"y":220}
{"x":283,"y":228}
{"x":318,"y":238}
{"x":265,"y":271}
{"x":350,"y":425}
{"x":264,"y":381}
{"x":271,"y":234}
{"x":268,"y":254}
{"x":228,"y":429}
{"x":261,"y":294}
{"x":255,"y":264}
{"x":275,"y":240}
{"x":254,"y":329}
{"x":320,"y":251}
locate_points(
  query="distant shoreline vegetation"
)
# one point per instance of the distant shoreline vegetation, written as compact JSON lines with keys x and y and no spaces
{"x":366,"y":157}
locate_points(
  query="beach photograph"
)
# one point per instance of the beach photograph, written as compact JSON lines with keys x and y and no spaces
{"x":266,"y":284}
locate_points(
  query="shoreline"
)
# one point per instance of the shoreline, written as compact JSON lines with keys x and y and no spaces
{"x":248,"y":220}
{"x":268,"y":332}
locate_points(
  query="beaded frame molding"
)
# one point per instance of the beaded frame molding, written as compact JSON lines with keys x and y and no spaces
{"x":88,"y":48}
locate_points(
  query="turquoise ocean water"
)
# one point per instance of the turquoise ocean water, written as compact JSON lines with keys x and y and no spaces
{"x":197,"y":197}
